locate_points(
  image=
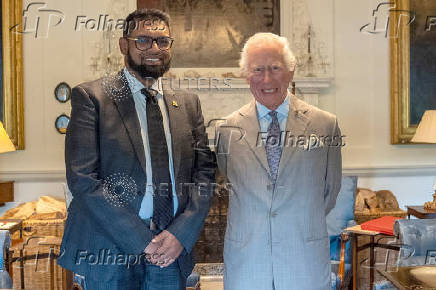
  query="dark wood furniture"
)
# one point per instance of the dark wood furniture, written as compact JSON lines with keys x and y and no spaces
{"x":355,"y":232}
{"x":405,"y":279}
{"x":420,"y":212}
{"x":6,"y":192}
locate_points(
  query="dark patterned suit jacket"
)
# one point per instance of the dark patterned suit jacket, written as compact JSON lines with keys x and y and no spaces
{"x":103,"y":140}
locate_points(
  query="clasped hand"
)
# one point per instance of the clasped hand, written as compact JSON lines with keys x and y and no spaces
{"x":163,"y":250}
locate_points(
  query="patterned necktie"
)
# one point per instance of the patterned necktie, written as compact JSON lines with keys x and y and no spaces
{"x":273,"y":146}
{"x":163,"y":206}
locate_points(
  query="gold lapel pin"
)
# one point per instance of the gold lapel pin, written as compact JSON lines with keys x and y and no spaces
{"x":175,"y":104}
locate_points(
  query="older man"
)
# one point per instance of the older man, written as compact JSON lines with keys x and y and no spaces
{"x":282,"y":158}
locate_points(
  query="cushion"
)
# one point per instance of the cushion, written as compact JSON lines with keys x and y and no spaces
{"x":419,"y":241}
{"x":343,"y":211}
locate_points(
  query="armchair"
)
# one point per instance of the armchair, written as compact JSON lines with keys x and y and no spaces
{"x":341,"y":217}
{"x":417,"y":240}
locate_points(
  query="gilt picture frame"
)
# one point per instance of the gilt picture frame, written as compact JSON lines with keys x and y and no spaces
{"x":12,"y":113}
{"x":412,"y":89}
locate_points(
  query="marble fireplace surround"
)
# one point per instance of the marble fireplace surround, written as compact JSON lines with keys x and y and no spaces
{"x":219,"y":102}
{"x":306,"y":88}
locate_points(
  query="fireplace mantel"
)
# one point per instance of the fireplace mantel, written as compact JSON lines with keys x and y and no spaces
{"x":307,"y":88}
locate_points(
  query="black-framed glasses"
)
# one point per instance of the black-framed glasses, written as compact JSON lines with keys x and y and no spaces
{"x":146,"y":42}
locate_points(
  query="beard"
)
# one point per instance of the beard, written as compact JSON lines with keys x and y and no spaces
{"x":149,"y":71}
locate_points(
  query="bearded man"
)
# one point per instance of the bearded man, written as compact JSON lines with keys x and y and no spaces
{"x":137,"y":162}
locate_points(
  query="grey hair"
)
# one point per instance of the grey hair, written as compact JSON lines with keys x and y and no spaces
{"x":262,"y":38}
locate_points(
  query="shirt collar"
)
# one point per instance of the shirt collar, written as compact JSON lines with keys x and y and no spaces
{"x":283,"y":109}
{"x":137,"y":86}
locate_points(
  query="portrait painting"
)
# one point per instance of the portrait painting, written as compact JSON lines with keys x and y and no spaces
{"x":413,"y":66}
{"x":422,"y":61}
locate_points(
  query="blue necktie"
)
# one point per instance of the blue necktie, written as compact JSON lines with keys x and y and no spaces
{"x":273,"y":146}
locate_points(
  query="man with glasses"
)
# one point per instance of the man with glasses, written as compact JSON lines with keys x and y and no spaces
{"x":283,"y":160}
{"x":139,"y":169}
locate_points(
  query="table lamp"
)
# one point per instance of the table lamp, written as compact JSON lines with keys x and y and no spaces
{"x":426,"y":133}
{"x":5,"y":143}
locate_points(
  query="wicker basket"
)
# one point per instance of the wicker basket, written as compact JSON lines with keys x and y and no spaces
{"x":31,"y":261}
{"x":42,"y":228}
{"x":34,"y":264}
{"x":362,"y":217}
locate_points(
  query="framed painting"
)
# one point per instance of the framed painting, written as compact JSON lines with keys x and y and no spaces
{"x":11,"y":100}
{"x":413,"y":65}
{"x":210,"y":34}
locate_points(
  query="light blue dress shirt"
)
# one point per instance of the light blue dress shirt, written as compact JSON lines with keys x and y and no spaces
{"x":265,"y":119}
{"x":146,"y":210}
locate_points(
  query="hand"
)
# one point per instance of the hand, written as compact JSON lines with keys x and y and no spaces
{"x":168,"y":251}
{"x":150,"y":251}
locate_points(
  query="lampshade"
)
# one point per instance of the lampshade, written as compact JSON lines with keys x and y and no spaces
{"x":426,"y":131}
{"x":5,"y":143}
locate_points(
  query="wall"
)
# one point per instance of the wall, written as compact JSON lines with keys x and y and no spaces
{"x":359,"y":96}
{"x":64,"y":55}
{"x":362,"y":98}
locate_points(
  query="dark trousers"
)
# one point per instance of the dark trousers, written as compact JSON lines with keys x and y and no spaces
{"x":154,"y":278}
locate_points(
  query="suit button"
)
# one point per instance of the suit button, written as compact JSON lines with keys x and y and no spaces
{"x":139,"y":192}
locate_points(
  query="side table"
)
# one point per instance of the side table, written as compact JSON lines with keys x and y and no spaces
{"x":355,"y":232}
{"x":12,"y":225}
{"x":420,"y":212}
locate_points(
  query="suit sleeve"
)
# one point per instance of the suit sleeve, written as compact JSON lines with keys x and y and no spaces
{"x":187,"y":226}
{"x":82,"y":156}
{"x":333,"y":170}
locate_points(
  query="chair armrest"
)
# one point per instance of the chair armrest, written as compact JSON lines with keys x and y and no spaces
{"x":341,"y":272}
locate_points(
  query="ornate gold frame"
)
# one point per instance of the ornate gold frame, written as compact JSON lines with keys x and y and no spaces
{"x":13,"y":72}
{"x":401,"y":130}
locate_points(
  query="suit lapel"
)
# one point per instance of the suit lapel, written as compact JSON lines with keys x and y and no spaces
{"x":175,"y":115}
{"x":129,"y":116}
{"x":250,"y":123}
{"x":296,"y":125}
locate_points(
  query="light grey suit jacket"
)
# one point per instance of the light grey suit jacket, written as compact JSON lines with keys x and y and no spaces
{"x":278,"y":234}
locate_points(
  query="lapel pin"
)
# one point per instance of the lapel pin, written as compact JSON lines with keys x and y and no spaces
{"x":175,"y":104}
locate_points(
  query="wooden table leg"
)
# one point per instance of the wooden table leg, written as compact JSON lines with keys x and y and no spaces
{"x":354,"y":238}
{"x":371,"y":264}
{"x":68,"y":279}
{"x":51,"y":263}
{"x":22,"y":268}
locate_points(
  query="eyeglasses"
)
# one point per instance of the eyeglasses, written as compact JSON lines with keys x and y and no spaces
{"x":146,"y":42}
{"x":260,"y":70}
